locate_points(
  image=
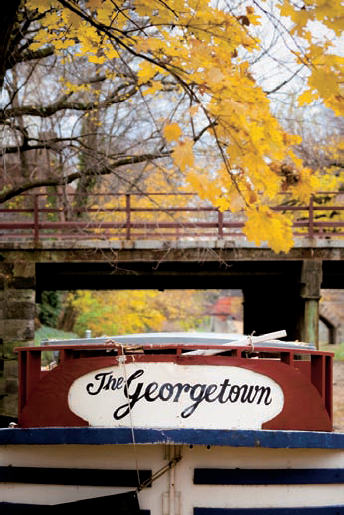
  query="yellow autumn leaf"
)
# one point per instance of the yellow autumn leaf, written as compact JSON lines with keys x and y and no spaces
{"x":154,"y":87}
{"x":265,"y":226}
{"x":172,"y":132}
{"x":111,"y":53}
{"x":146,"y":71}
{"x":97,"y":59}
{"x":40,"y":5}
{"x":61,"y":44}
{"x":94,"y":4}
{"x":306,"y":185}
{"x":183,"y":154}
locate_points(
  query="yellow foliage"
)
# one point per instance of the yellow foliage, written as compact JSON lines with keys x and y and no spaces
{"x":202,"y":49}
{"x":135,"y":311}
{"x":146,"y":71}
{"x":265,"y":226}
{"x":183,"y":155}
{"x":306,"y":185}
{"x":172,"y":132}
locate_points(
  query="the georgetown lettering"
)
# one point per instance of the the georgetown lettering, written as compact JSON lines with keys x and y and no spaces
{"x":222,"y":393}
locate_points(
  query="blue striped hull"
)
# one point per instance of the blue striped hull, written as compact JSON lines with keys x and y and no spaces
{"x":54,"y":471}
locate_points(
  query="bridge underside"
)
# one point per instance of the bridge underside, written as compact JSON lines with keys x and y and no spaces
{"x":275,"y":292}
{"x":280,"y":292}
{"x":180,"y":275}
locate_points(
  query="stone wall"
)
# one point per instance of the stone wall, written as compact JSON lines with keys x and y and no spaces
{"x":17,"y":319}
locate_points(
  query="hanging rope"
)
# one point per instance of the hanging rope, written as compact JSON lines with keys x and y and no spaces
{"x":121,"y":362}
{"x":121,"y":359}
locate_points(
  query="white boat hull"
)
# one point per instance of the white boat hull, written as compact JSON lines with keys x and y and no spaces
{"x":292,"y":473}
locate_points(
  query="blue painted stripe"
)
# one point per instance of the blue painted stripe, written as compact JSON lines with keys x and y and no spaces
{"x":39,"y":509}
{"x":73,"y":476}
{"x":215,"y":476}
{"x":231,"y":438}
{"x":312,"y":510}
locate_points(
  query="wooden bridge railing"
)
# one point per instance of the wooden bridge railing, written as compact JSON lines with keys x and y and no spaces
{"x":127,"y":216}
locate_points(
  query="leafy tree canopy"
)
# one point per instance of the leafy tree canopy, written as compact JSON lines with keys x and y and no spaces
{"x":206,"y":60}
{"x":136,"y":311}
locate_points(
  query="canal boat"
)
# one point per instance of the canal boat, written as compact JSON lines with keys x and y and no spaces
{"x":173,"y":424}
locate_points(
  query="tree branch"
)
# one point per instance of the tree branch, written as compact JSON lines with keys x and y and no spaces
{"x":63,"y":104}
{"x":63,"y":180}
{"x":30,"y":55}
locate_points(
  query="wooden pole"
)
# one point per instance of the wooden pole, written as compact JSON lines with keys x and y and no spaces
{"x":311,"y":279}
{"x":311,"y":321}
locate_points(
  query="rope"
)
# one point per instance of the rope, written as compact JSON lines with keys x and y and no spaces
{"x":250,"y":343}
{"x":159,"y":473}
{"x":172,"y":463}
{"x":121,"y":361}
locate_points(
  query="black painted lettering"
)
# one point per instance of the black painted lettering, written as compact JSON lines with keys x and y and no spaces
{"x":124,"y":410}
{"x":120,"y":382}
{"x":248,"y":395}
{"x":180,"y":387}
{"x":209,"y":391}
{"x":111,"y":383}
{"x":135,"y":391}
{"x":234,"y":393}
{"x":169,"y":389}
{"x":151,"y":388}
{"x":264,"y":390}
{"x":98,"y":377}
{"x":223,"y":386}
{"x":197,"y":395}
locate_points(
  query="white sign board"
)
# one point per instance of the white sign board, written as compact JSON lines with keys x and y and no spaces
{"x":166,"y":395}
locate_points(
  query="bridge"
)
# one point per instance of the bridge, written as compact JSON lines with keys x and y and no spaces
{"x":161,"y":241}
{"x":152,"y":215}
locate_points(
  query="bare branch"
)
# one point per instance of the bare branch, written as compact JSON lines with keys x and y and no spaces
{"x":63,"y":180}
{"x":63,"y":104}
{"x":31,"y":55}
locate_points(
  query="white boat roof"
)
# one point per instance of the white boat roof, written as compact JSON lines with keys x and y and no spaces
{"x":182,"y":338}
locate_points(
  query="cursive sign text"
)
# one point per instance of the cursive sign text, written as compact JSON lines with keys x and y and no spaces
{"x":171,"y":395}
{"x":136,"y":391}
